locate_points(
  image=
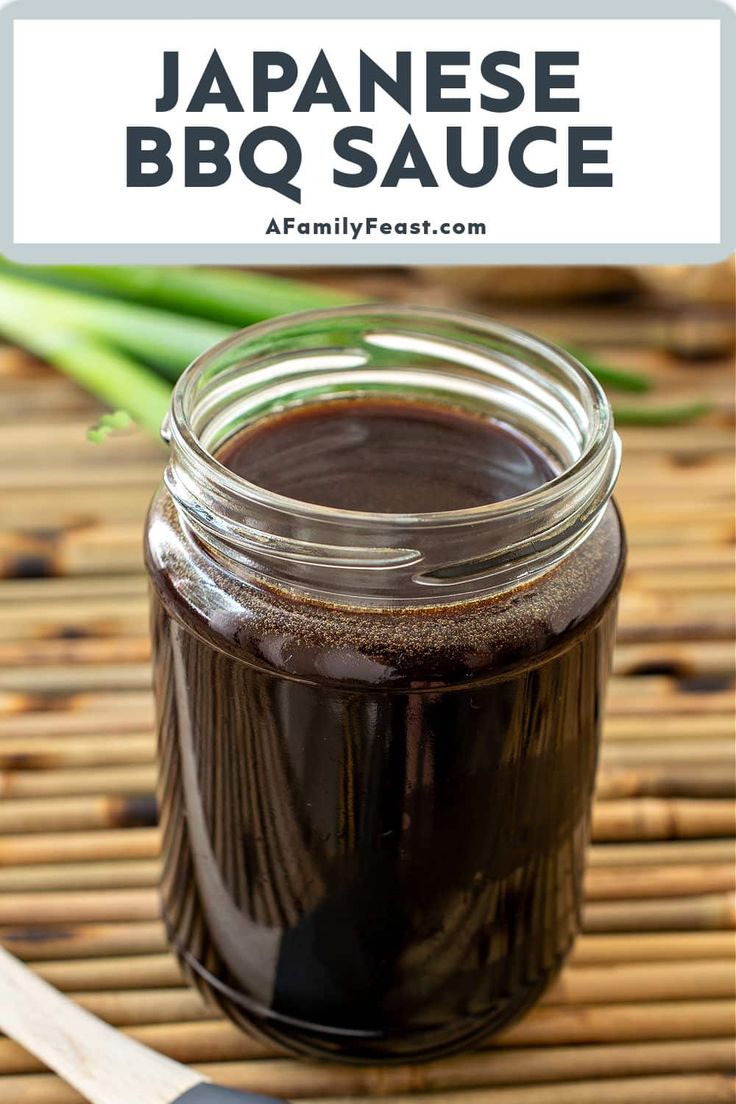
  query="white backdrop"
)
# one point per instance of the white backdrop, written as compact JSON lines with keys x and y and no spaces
{"x":80,"y":83}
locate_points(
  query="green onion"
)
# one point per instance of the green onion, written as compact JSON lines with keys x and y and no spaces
{"x":616,"y":378}
{"x":105,"y":372}
{"x":167,"y":341}
{"x":238,"y":298}
{"x":660,"y":415}
{"x":87,"y":335}
{"x":231,"y":296}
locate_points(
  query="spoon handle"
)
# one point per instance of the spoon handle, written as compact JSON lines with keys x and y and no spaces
{"x":105,"y":1066}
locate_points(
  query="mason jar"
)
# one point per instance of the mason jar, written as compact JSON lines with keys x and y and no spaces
{"x":378,"y":732}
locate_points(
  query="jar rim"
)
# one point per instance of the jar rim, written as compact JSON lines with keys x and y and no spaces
{"x":178,"y":429}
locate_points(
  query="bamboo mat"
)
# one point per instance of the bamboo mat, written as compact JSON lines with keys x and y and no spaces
{"x":643,"y":1013}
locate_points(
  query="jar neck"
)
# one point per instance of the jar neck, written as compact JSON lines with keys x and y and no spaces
{"x":442,"y":358}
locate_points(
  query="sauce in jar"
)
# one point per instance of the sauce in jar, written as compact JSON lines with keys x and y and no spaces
{"x":378,"y":750}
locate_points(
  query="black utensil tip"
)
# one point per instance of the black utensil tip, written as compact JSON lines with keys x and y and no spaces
{"x":215,"y":1094}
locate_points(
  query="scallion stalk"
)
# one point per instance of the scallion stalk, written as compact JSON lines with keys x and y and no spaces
{"x":616,"y":378}
{"x":87,"y":335}
{"x":239,"y":298}
{"x":681,"y":414}
{"x":165,"y":340}
{"x":232,"y":296}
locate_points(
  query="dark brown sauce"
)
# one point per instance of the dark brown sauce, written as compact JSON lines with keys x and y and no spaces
{"x":386,"y":457}
{"x":375,"y":822}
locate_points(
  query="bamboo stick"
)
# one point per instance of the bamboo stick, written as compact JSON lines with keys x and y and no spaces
{"x":669,"y":727}
{"x":614,"y":783}
{"x":72,"y":750}
{"x":150,"y":971}
{"x":592,"y":950}
{"x":711,"y":694}
{"x":664,"y":470}
{"x":611,"y":1023}
{"x":23,"y":716}
{"x":654,"y":818}
{"x":693,"y":751}
{"x":138,"y":461}
{"x":601,"y":984}
{"x":103,"y":703}
{"x":145,"y":844}
{"x":673,"y":623}
{"x":148,"y":937}
{"x":53,"y":649}
{"x":640,"y":882}
{"x":652,"y":696}
{"x":27,"y":724}
{"x":63,"y":752}
{"x":125,"y":779}
{"x":639,"y":818}
{"x":204,"y":1041}
{"x":69,"y":437}
{"x":114,"y":546}
{"x":709,"y":912}
{"x":63,"y":589}
{"x":692,"y":1089}
{"x":91,"y":941}
{"x":702,"y":590}
{"x":53,"y":401}
{"x":75,"y":907}
{"x":103,"y":545}
{"x":642,"y":558}
{"x":124,"y":1008}
{"x":487,"y":1068}
{"x":88,"y":940}
{"x":470,"y":1070}
{"x":673,"y":579}
{"x":84,"y":496}
{"x":688,"y":1089}
{"x":78,"y":504}
{"x":65,"y":679}
{"x":107,"y":650}
{"x":660,"y":614}
{"x":670,"y":592}
{"x":649,"y":981}
{"x":78,"y":548}
{"x":144,"y":465}
{"x":107,"y":478}
{"x":641,"y":694}
{"x":665,"y":510}
{"x":608,"y":984}
{"x":217,"y":1041}
{"x":684,"y":657}
{"x":74,"y":813}
{"x":715,"y":555}
{"x":672,"y":851}
{"x":96,"y":616}
{"x":710,"y":482}
{"x":128,"y":843}
{"x":220,"y":1041}
{"x":130,"y":500}
{"x":128,"y":874}
{"x":602,"y":883}
{"x":685,"y":780}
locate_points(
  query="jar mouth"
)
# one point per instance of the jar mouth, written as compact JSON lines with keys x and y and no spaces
{"x":179,"y":424}
{"x":429,"y":355}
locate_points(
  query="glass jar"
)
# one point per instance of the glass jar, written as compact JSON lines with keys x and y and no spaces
{"x":379,"y":732}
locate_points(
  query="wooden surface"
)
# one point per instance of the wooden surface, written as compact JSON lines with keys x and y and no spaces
{"x":643,"y":1014}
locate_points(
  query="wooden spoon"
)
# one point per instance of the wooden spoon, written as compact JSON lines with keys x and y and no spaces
{"x":104,"y":1065}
